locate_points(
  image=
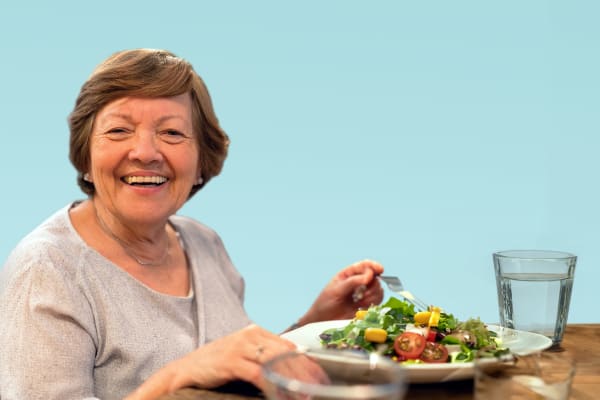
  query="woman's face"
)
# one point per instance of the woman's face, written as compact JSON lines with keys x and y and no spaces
{"x":144,"y":157}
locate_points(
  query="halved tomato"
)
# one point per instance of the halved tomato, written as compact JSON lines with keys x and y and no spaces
{"x":409,"y":345}
{"x":434,"y":353}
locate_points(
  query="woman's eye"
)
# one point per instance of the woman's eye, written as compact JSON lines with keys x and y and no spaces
{"x":173,"y":136}
{"x":117,"y":133}
{"x":117,"y":130}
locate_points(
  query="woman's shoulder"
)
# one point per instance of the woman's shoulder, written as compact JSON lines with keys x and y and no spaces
{"x":191,"y":227}
{"x":200,"y":240}
{"x":50,"y":243}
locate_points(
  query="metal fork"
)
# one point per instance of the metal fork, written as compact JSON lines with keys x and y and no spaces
{"x":395,"y":285}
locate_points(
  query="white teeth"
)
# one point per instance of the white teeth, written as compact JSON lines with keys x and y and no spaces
{"x":157,"y":180}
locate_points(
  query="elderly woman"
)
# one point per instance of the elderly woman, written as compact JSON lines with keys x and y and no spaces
{"x":116,"y":296}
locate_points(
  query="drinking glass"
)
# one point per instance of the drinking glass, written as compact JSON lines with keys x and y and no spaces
{"x":333,"y":375}
{"x":534,"y":290}
{"x":542,"y":375}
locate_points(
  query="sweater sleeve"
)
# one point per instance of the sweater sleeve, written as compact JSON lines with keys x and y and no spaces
{"x":46,"y":330}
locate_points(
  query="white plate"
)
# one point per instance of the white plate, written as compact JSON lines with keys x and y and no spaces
{"x":519,"y":342}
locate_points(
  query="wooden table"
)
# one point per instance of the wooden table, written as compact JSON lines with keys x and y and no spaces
{"x":581,"y":342}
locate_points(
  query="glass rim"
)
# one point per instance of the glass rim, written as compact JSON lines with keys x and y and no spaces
{"x":531,"y":254}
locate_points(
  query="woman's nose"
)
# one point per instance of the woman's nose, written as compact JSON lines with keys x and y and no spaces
{"x":146,"y":147}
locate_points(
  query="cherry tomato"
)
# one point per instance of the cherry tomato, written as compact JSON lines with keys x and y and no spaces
{"x":409,"y":345}
{"x":434,"y":353}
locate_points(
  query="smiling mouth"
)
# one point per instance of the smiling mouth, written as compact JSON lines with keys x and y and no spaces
{"x":144,"y":180}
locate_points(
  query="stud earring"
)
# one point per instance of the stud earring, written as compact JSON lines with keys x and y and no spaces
{"x":199,"y":181}
{"x":87,"y":178}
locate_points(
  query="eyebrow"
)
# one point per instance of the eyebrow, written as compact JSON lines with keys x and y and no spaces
{"x":128,"y":118}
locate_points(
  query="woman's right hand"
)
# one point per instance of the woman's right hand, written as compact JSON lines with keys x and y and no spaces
{"x":238,"y":356}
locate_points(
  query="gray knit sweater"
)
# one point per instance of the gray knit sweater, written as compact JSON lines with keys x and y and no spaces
{"x":73,"y":325}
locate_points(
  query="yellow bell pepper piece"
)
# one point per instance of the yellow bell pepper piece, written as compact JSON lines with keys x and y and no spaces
{"x":360,"y":314}
{"x":434,"y":318}
{"x":422,"y":317}
{"x":376,"y":335}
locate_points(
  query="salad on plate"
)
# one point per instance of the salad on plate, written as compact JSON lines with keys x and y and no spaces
{"x":396,"y":330}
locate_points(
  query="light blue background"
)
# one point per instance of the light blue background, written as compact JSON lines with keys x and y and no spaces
{"x":425,"y":135}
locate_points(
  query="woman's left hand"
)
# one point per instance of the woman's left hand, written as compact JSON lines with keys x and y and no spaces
{"x":354,"y":287}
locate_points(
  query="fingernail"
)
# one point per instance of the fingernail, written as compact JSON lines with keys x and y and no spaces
{"x":358,"y":293}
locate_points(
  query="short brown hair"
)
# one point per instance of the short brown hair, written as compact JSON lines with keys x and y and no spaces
{"x":146,"y":73}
